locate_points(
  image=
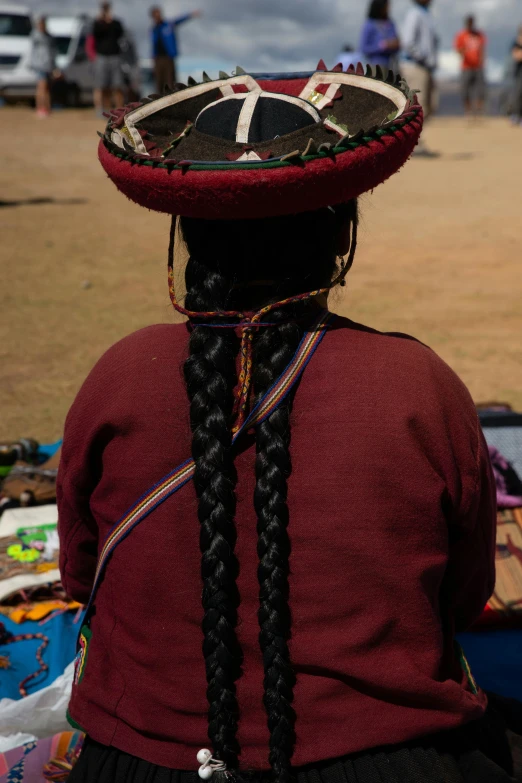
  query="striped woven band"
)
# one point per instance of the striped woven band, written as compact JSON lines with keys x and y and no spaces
{"x":185,"y":472}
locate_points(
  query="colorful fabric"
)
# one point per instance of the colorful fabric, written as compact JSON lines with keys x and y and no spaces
{"x":17,"y":558}
{"x":509,"y":485}
{"x":505,"y":605}
{"x":503,"y":431}
{"x":61,"y":631}
{"x":7,"y":638}
{"x":495,"y":656}
{"x":45,"y":760}
{"x":39,"y":610}
{"x":80,"y":661}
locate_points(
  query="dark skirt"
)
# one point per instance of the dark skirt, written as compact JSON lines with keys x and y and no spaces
{"x":486,"y":751}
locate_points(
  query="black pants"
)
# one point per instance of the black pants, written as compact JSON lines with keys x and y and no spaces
{"x":486,"y":751}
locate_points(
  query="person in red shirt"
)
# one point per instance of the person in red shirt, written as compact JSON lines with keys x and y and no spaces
{"x":279,"y":517}
{"x":471,"y":43}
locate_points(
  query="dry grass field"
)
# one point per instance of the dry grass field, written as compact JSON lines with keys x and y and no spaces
{"x":439,"y":258}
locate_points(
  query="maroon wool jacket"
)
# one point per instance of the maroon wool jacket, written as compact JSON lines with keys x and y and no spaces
{"x":392,"y":526}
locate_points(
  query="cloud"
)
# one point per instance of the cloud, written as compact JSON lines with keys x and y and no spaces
{"x":295,"y":34}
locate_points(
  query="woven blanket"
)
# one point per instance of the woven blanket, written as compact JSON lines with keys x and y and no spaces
{"x":41,"y":761}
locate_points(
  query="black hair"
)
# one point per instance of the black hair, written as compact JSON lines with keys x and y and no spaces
{"x":378,"y":9}
{"x":244,"y":265}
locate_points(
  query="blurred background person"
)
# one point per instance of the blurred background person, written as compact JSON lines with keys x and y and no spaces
{"x":107,"y":34}
{"x":471,"y":43}
{"x":348,"y":57}
{"x":43,"y":61}
{"x":165,"y":46}
{"x":516,"y":54}
{"x":379,"y":43}
{"x":419,"y":44}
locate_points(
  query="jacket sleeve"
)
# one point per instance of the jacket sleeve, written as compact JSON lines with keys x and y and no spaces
{"x":369,"y":43}
{"x":78,"y":475}
{"x":182,"y":19}
{"x":471,"y":567}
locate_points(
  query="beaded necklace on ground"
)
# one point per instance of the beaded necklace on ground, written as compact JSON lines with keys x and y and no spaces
{"x":248,"y":322}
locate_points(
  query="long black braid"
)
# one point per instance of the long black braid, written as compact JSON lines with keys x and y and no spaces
{"x":273,"y":350}
{"x":210,"y":375}
{"x":291,"y":255}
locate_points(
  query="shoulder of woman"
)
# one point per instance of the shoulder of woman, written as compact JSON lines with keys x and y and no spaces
{"x":404,"y":355}
{"x":160,"y":341}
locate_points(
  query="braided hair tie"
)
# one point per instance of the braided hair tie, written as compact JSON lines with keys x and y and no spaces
{"x":248,"y":323}
{"x":208,"y":764}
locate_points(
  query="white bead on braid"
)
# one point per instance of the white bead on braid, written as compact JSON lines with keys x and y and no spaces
{"x":208,"y":764}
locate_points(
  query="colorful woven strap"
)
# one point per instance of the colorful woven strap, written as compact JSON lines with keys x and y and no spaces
{"x":185,"y":472}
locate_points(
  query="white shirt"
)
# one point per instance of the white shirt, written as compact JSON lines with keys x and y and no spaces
{"x":419,"y":37}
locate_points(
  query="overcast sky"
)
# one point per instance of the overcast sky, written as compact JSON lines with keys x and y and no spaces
{"x":267,"y":35}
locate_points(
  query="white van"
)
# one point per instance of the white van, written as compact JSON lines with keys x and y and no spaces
{"x":15,"y":32}
{"x":18,"y":80}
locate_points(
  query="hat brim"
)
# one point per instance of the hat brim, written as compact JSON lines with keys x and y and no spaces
{"x":265,"y":188}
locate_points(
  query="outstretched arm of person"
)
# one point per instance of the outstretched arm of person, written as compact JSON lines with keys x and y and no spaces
{"x":186,"y":17}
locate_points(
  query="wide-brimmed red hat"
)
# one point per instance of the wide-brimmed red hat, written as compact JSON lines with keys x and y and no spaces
{"x":245,"y":148}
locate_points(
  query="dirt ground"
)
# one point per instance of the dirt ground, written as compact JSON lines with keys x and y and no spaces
{"x":439,"y":258}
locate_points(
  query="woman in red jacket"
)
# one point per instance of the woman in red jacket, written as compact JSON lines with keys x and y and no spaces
{"x":328,"y":634}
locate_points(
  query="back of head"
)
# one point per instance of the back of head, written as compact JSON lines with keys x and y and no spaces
{"x":378,"y":9}
{"x":470,"y":23}
{"x":266,"y":260}
{"x":156,"y":13}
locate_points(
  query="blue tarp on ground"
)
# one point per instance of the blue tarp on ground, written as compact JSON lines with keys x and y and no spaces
{"x":495,"y":658}
{"x":62,"y":633}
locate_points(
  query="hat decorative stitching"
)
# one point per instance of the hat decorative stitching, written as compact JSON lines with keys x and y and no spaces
{"x":239,"y":147}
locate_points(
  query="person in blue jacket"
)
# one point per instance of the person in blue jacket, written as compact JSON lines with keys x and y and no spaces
{"x":165,"y":46}
{"x":379,"y":39}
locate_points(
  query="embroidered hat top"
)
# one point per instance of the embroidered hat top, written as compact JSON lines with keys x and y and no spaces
{"x":241,"y":147}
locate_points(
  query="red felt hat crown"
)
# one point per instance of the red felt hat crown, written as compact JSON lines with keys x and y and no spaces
{"x":245,"y":148}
